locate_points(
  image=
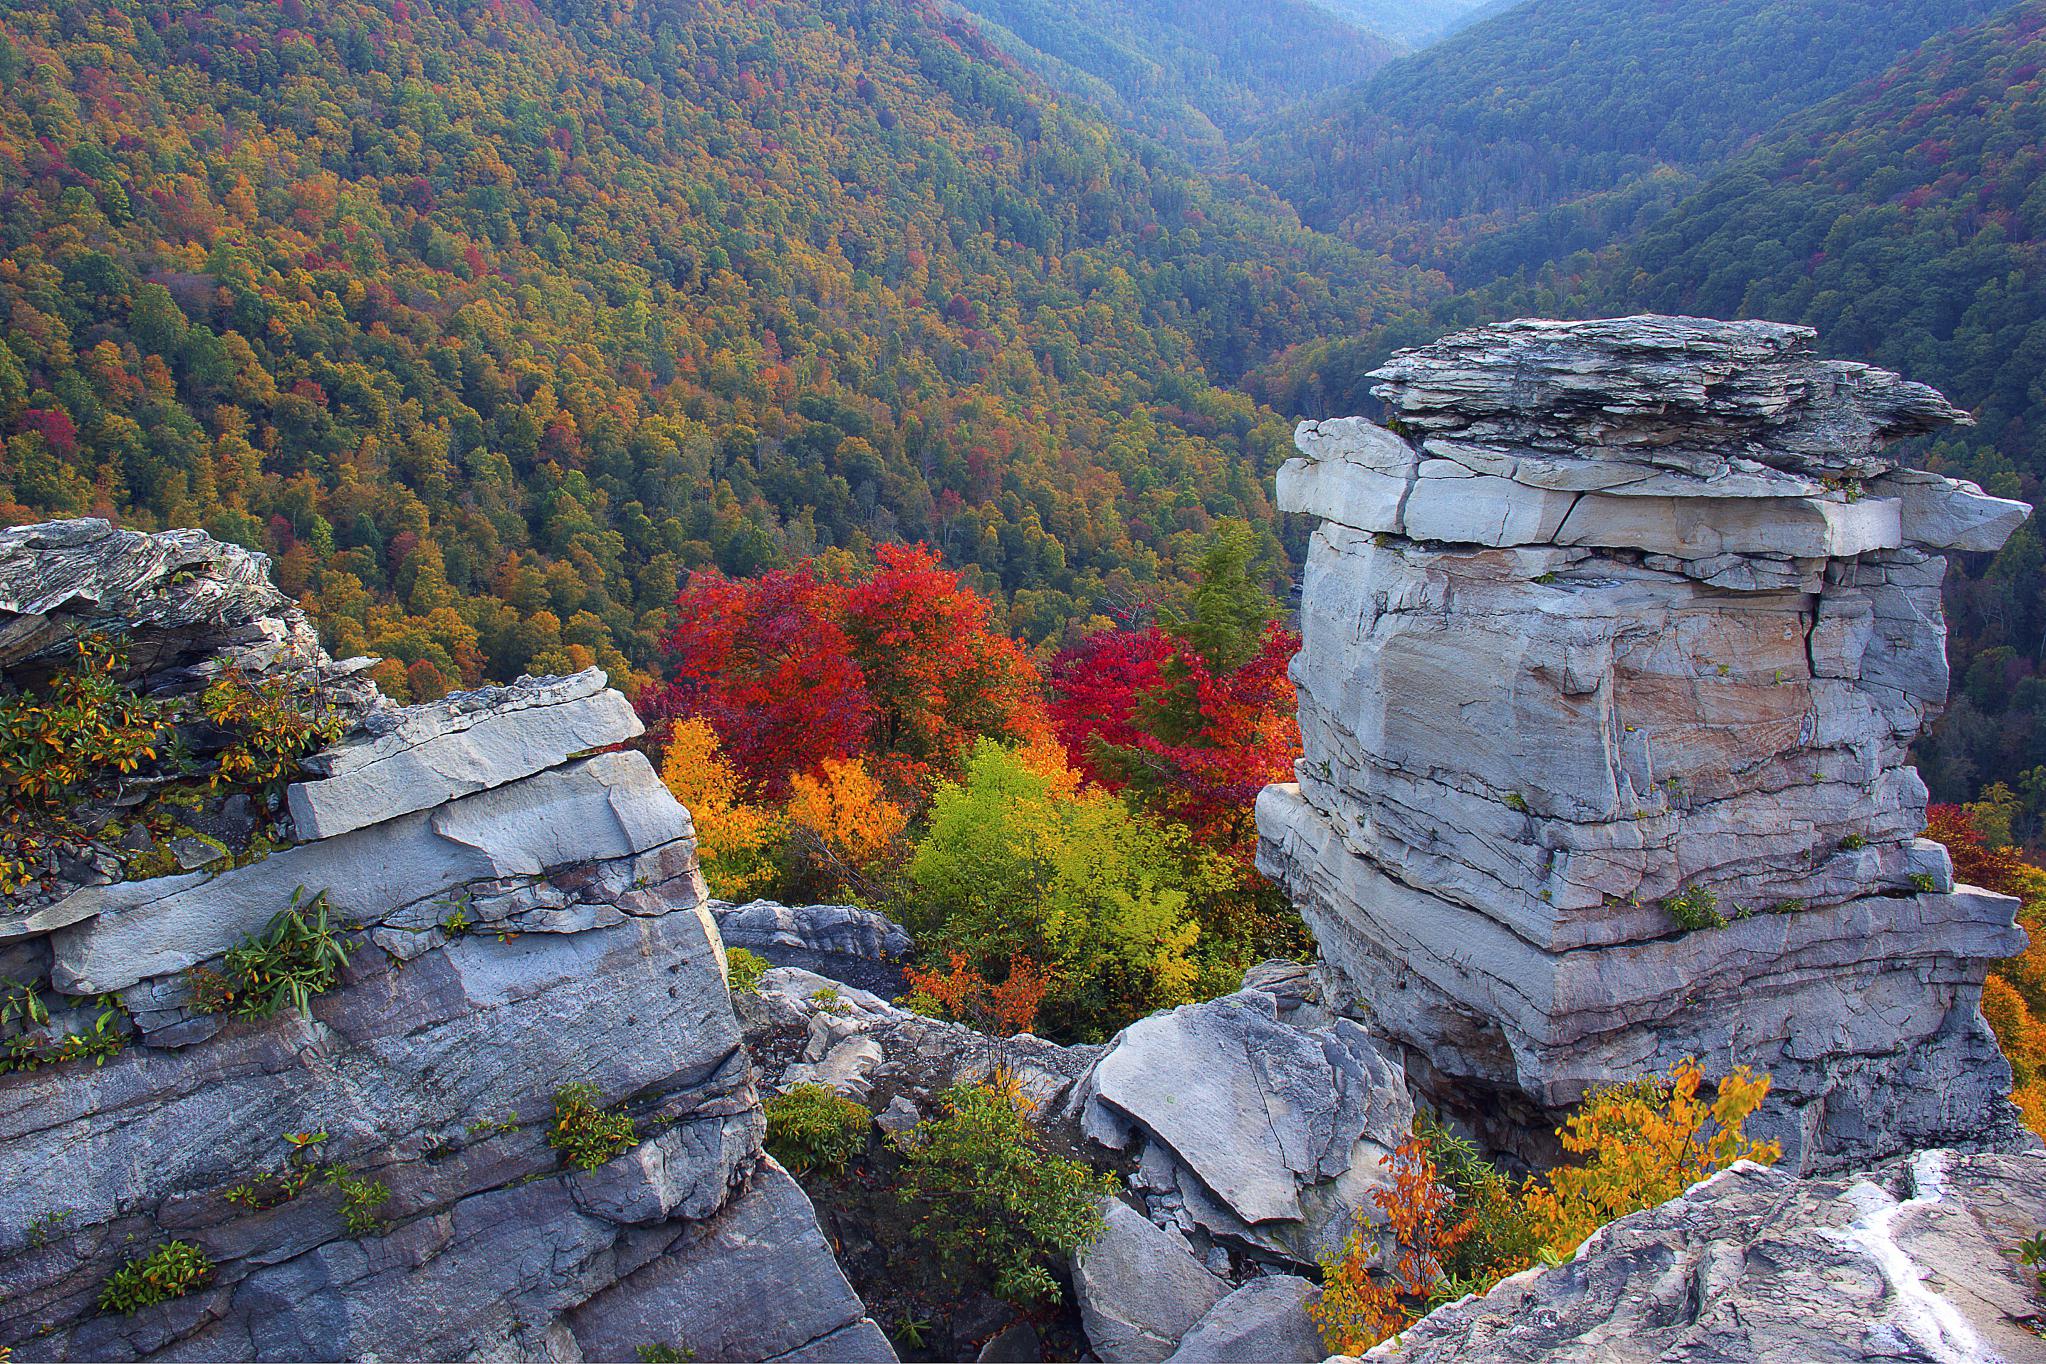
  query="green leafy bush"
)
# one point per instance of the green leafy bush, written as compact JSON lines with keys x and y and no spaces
{"x":1018,"y":862}
{"x":585,"y":1132}
{"x":297,"y":956}
{"x":1695,"y":909}
{"x":360,"y":1198}
{"x":172,"y":1270}
{"x":992,"y":1201}
{"x":744,"y":969}
{"x":814,"y":1127}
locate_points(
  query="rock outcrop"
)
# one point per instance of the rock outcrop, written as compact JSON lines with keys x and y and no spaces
{"x":1914,"y":1260}
{"x":525,"y":913}
{"x":1613,"y":650}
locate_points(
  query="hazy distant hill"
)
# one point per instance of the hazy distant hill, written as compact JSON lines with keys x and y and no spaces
{"x":1197,"y":75}
{"x":1414,"y":22}
{"x":1561,"y":124}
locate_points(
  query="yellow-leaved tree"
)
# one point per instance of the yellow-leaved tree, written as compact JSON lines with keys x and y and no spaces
{"x":847,"y":811}
{"x":1642,"y":1144}
{"x":735,"y":840}
{"x":1458,"y":1226}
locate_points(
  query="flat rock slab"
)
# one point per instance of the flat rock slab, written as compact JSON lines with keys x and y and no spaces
{"x":606,"y":807}
{"x":1259,"y":1111}
{"x":1140,"y":1288}
{"x":840,"y":930}
{"x":1913,"y":1260}
{"x":426,"y":755}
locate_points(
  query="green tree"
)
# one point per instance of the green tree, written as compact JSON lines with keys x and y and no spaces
{"x":1019,"y":861}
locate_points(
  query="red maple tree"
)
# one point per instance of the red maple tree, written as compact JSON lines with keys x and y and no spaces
{"x":901,"y":666}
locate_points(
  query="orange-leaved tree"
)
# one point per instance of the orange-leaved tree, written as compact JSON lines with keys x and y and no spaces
{"x":1359,"y":1307}
{"x":961,"y":993}
{"x":735,"y":840}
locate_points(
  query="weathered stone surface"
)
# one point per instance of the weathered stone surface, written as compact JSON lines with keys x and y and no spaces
{"x":1677,"y":393}
{"x":1864,"y":1013}
{"x":1910,"y":1261}
{"x":842,"y":930}
{"x":178,"y":599}
{"x":755,"y":1282}
{"x":1281,"y":1132}
{"x":1950,"y":513}
{"x":798,"y":1014}
{"x":610,"y":808}
{"x":549,"y":918}
{"x":1632,"y":637}
{"x":1140,"y":1288}
{"x":426,"y":755}
{"x":1264,"y":1320}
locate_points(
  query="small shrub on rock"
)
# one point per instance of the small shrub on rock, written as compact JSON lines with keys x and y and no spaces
{"x":743,"y":970}
{"x":65,"y":746}
{"x":815,"y":1128}
{"x":297,"y":956}
{"x":270,"y":731}
{"x":172,"y":1270}
{"x":992,"y":1201}
{"x":1697,"y":908}
{"x":585,"y":1132}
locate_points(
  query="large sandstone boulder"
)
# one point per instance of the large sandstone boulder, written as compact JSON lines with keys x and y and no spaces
{"x":1613,"y":652}
{"x":523,"y":914}
{"x":1265,"y":1320}
{"x":1271,"y":1136}
{"x":1914,"y":1260}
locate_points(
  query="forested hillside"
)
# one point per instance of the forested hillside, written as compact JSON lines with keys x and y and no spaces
{"x":491,"y":320}
{"x":1194,"y":74}
{"x":1561,"y":124}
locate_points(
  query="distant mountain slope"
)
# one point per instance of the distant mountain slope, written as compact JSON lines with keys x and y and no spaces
{"x":1561,"y":124}
{"x":1905,"y":219}
{"x":491,"y":319}
{"x":1413,"y":22}
{"x":1194,"y":74}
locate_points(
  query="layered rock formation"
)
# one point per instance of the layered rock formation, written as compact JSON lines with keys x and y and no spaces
{"x":1915,"y":1260}
{"x":525,"y":912}
{"x":1613,"y":650}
